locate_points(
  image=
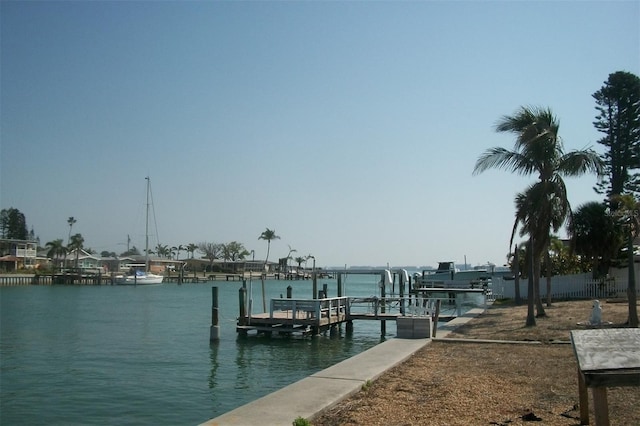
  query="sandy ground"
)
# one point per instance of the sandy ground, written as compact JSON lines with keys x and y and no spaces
{"x":448,"y":383}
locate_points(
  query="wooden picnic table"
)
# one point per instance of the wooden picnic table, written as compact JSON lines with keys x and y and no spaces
{"x":606,"y":357}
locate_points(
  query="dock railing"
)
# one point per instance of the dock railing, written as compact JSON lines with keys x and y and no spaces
{"x":302,"y":310}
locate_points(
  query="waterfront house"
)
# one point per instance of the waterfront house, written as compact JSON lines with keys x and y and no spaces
{"x":86,"y":261}
{"x":18,"y":253}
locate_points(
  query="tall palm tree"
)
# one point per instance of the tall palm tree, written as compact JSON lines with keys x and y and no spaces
{"x":529,"y":216}
{"x":291,"y":250}
{"x":268,"y":235}
{"x":538,"y":150}
{"x":70,"y":221}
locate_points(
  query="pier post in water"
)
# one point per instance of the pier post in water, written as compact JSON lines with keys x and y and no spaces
{"x":402,"y":283}
{"x":340,"y":289}
{"x":214,"y":334}
{"x":315,"y":285}
{"x":242,"y":301}
{"x":289,"y":292}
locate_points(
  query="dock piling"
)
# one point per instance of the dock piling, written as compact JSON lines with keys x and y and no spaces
{"x":315,"y":285}
{"x":242,"y":301}
{"x":383,"y":323}
{"x":214,"y":333}
{"x":436,"y":317}
{"x":401,"y":285}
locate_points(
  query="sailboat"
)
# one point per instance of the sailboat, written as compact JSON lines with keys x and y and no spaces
{"x":142,"y":276}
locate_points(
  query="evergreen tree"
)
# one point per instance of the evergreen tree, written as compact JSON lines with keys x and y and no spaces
{"x":618,"y":106}
{"x":13,"y":224}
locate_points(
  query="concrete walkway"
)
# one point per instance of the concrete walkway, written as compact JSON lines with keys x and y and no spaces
{"x":308,"y":397}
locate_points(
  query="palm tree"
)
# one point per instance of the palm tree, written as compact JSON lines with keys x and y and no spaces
{"x":56,"y":249}
{"x":162,"y":250}
{"x":299,"y":261}
{"x":269,"y":235}
{"x":538,"y":149}
{"x":77,"y":242}
{"x":178,"y":249}
{"x":291,"y":250}
{"x":191,"y":248}
{"x":528,"y":219}
{"x":70,"y":221}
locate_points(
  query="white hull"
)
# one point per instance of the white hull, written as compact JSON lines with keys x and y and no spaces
{"x":143,"y":279}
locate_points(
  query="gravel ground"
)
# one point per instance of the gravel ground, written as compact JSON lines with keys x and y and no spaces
{"x":453,"y":383}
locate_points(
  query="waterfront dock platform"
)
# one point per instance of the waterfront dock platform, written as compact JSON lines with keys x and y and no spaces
{"x":308,"y":397}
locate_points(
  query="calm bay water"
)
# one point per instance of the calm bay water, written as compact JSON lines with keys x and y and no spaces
{"x":102,"y":355}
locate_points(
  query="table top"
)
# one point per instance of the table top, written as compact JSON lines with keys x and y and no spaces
{"x":599,"y":350}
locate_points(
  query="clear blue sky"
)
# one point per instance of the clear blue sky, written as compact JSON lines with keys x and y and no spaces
{"x":351,"y":128}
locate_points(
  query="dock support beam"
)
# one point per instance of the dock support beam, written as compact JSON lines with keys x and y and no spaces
{"x":214,"y":333}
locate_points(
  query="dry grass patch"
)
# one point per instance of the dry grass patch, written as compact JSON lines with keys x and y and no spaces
{"x":489,"y":384}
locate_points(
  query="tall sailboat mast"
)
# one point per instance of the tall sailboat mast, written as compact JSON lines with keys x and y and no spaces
{"x":146,"y":230}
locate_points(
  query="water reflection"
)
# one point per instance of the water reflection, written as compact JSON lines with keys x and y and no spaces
{"x":266,"y":359}
{"x":213,"y":357}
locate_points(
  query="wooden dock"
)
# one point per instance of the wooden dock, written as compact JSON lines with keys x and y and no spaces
{"x":316,"y":316}
{"x":177,"y":279}
{"x":306,"y":316}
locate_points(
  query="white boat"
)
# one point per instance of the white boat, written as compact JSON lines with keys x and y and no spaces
{"x":447,"y":276}
{"x":142,"y":276}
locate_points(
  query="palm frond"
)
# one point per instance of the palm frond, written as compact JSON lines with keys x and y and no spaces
{"x":577,"y":163}
{"x":502,"y":158}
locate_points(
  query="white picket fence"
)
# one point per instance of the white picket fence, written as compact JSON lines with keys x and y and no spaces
{"x":567,"y":287}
